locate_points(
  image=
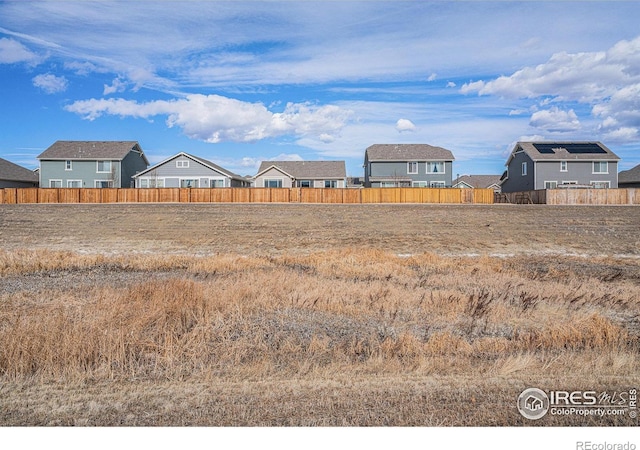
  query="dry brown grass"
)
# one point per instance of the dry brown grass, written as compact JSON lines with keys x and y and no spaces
{"x":442,"y":326}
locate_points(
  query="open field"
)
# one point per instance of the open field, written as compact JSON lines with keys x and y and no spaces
{"x":389,"y":315}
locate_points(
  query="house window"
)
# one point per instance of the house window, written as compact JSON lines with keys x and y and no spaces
{"x":600,"y":167}
{"x":387,"y":184}
{"x":151,"y":182}
{"x":104,"y":167}
{"x":216,"y":183}
{"x":304,"y":183}
{"x":550,"y":184}
{"x":563,"y":166}
{"x":187,"y":183}
{"x":524,"y":168}
{"x":330,"y":183}
{"x":437,"y":184}
{"x":55,"y":183}
{"x":272,"y":183}
{"x":601,"y":184}
{"x":412,"y":167}
{"x":67,"y":165}
{"x":74,"y":183}
{"x":435,"y":167}
{"x":182,"y":164}
{"x":103,"y":183}
{"x":419,"y":184}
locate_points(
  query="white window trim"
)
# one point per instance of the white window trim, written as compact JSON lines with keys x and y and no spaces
{"x":564,"y":166}
{"x":388,"y":184}
{"x":182,"y":164}
{"x":103,"y":171}
{"x":73,"y":181}
{"x":555,"y":183}
{"x":196,"y":179}
{"x":266,"y":180}
{"x":412,"y":172}
{"x":569,"y":181}
{"x":593,"y":167}
{"x":437,"y":184}
{"x":607,"y":182}
{"x":109,"y":183}
{"x":51,"y":181}
{"x":224,"y":182}
{"x":324,"y":184}
{"x":157,"y":180}
{"x":444,"y":167}
{"x":524,"y":169}
{"x":422,"y":184}
{"x":68,"y":167}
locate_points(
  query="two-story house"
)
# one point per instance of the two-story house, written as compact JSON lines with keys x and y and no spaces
{"x":549,"y":165}
{"x":15,"y":176}
{"x":185,"y":170}
{"x":303,"y":174}
{"x":407,"y":165}
{"x":91,"y":164}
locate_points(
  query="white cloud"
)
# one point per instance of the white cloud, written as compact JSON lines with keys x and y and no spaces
{"x":451,"y":84}
{"x":213,"y":118}
{"x":432,"y":77}
{"x":118,"y":85}
{"x":405,"y":125}
{"x":555,"y":120}
{"x":12,"y":51}
{"x":50,"y":83}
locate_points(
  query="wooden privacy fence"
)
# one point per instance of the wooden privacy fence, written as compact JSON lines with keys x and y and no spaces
{"x":245,"y":195}
{"x":572,"y":197}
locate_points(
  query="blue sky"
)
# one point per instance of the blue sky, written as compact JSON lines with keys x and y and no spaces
{"x":241,"y":82}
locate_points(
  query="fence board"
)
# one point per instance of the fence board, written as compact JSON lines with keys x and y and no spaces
{"x":109,"y":195}
{"x":371,"y":195}
{"x":222,"y":195}
{"x":294,"y":195}
{"x":11,"y":196}
{"x":483,"y":196}
{"x":450,"y":195}
{"x":90,"y":195}
{"x":280,"y":195}
{"x":310,"y":195}
{"x":352,"y":196}
{"x":411,"y":195}
{"x":390,"y":195}
{"x":242,"y":195}
{"x":200,"y":195}
{"x":27,"y":195}
{"x":260,"y":195}
{"x":332,"y":195}
{"x":148,"y":195}
{"x":69,"y":195}
{"x":128,"y":195}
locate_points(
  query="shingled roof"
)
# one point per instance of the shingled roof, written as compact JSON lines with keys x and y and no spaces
{"x":408,"y":152}
{"x":307,"y":169}
{"x":629,"y":176}
{"x":93,"y":150}
{"x":202,"y":161}
{"x":565,"y":151}
{"x":478,"y":181}
{"x":13,"y":172}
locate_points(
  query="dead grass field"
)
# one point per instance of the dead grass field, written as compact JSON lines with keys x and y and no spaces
{"x":313,"y":315}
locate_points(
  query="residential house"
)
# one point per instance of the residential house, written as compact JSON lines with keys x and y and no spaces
{"x":549,"y":165}
{"x":91,"y":164}
{"x":15,"y":176}
{"x":407,"y":165}
{"x":188,"y":171}
{"x":478,"y":182}
{"x":303,"y":174}
{"x":629,"y":178}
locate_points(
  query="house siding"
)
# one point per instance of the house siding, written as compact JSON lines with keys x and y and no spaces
{"x":579,"y":171}
{"x":131,"y":164}
{"x":518,"y":182}
{"x":85,"y":171}
{"x":275,"y":174}
{"x":399,"y":170}
{"x":173,"y":175}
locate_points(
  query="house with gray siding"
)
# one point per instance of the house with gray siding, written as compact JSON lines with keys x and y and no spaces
{"x":550,"y":165}
{"x":188,"y":171}
{"x":91,"y":164}
{"x":407,"y":165}
{"x":629,"y":178}
{"x":303,"y":174}
{"x":15,"y":176}
{"x":478,"y":182}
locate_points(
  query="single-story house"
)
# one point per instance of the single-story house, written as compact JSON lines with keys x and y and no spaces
{"x":407,"y":165}
{"x":549,"y":165}
{"x":478,"y":182}
{"x":629,"y":178}
{"x":15,"y":176}
{"x":304,"y":174}
{"x":188,"y":171}
{"x":91,"y":164}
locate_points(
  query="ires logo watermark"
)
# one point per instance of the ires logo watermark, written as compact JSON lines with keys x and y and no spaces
{"x":534,"y":403}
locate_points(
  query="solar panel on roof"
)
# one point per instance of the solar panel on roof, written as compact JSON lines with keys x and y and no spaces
{"x":586,"y":147}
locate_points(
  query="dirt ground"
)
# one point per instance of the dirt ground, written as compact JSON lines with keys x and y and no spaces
{"x":259,"y":229}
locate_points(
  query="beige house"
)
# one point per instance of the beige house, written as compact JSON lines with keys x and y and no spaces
{"x":303,"y":174}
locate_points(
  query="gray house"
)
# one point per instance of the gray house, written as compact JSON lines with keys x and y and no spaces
{"x":629,"y":178}
{"x":549,"y":165}
{"x":307,"y":174}
{"x":91,"y":164}
{"x":407,"y":165}
{"x":188,"y":171}
{"x":15,"y":176}
{"x":478,"y":182}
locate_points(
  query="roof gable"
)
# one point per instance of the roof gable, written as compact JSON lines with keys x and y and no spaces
{"x":630,"y":176}
{"x":306,"y":169}
{"x":478,"y":181}
{"x":197,"y":159}
{"x":13,"y":172}
{"x":408,"y":152}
